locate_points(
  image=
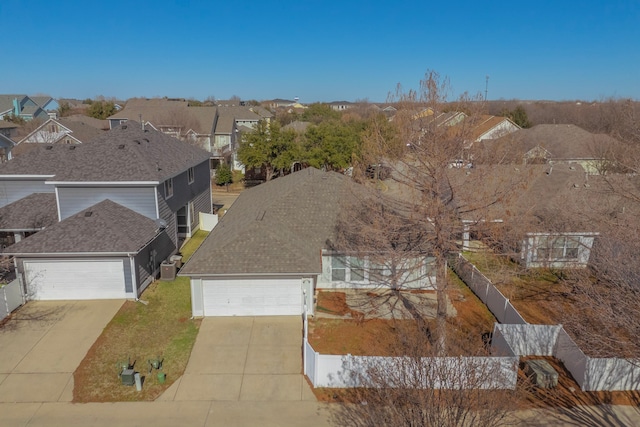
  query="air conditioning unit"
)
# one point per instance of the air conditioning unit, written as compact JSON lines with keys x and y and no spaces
{"x":128,"y":377}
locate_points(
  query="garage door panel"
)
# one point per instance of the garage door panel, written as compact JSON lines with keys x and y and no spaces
{"x":60,"y":280}
{"x":252,"y":297}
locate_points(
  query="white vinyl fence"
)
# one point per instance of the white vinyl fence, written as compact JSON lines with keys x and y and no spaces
{"x":345,"y":371}
{"x":10,"y":298}
{"x":515,"y":337}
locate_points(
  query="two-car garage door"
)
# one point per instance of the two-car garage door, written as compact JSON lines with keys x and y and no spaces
{"x":252,"y":297}
{"x":61,"y":280}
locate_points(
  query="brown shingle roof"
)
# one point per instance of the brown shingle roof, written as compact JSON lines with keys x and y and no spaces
{"x":279,"y":227}
{"x":105,"y":227}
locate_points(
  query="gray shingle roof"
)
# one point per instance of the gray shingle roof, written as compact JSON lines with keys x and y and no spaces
{"x":33,"y":212}
{"x":561,"y":141}
{"x":278,"y":227}
{"x":109,"y":228}
{"x":126,"y":153}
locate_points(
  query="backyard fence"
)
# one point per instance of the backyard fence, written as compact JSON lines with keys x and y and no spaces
{"x":345,"y":371}
{"x":10,"y":298}
{"x":497,"y":303}
{"x":514,"y":337}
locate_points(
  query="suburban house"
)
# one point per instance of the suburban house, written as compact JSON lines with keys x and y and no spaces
{"x":549,"y":214}
{"x":553,"y":144}
{"x":48,"y":104}
{"x":492,"y":127}
{"x":57,"y":131}
{"x":21,"y":106}
{"x":272,"y":249}
{"x":104,"y":215}
{"x":8,"y":131}
{"x":212,"y":128}
{"x":340,"y":105}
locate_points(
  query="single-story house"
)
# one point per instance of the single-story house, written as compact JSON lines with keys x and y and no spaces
{"x":273,"y":249}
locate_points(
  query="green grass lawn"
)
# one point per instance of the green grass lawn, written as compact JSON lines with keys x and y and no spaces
{"x":162,"y":328}
{"x":192,"y":244}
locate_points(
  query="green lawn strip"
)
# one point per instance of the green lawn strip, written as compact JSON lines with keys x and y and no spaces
{"x":162,"y":328}
{"x":192,"y":244}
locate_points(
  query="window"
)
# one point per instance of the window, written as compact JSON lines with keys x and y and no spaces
{"x":191,"y":175}
{"x":347,"y":269}
{"x":558,"y":248}
{"x":192,"y":213}
{"x":168,"y":188}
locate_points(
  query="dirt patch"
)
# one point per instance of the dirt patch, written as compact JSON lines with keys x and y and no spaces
{"x":379,"y":337}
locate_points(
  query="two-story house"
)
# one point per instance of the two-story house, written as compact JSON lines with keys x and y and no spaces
{"x":121,"y":205}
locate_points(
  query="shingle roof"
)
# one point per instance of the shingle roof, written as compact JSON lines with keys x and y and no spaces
{"x":163,"y":112}
{"x":126,"y":153}
{"x":6,"y":101}
{"x":7,"y":125}
{"x":33,"y":212}
{"x":105,"y":227}
{"x":561,"y":141}
{"x":278,"y":227}
{"x":80,"y":130}
{"x":90,"y":121}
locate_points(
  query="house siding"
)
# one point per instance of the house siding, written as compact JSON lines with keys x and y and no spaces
{"x":10,"y":191}
{"x":148,"y":260}
{"x":184,"y":192}
{"x":202,"y":203}
{"x":74,"y":199}
{"x":169,"y":217}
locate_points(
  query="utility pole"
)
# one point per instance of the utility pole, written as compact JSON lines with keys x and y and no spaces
{"x":486,"y":88}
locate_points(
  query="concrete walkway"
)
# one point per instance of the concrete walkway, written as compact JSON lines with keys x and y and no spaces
{"x":43,"y":344}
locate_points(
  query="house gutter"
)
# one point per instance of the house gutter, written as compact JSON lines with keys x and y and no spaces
{"x":66,"y":254}
{"x":200,"y":275}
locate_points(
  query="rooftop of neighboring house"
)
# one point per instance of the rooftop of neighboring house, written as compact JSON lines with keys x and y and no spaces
{"x":41,"y":101}
{"x":6,"y":101}
{"x":106,"y":227}
{"x":30,"y":213}
{"x":560,"y":197}
{"x":277,"y":227}
{"x":126,"y":153}
{"x":486,"y":123}
{"x":7,"y":125}
{"x":565,"y":141}
{"x":96,"y":123}
{"x":161,"y":112}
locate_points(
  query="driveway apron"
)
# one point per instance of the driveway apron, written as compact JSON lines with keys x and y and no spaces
{"x":42,"y":345}
{"x":245,"y":359}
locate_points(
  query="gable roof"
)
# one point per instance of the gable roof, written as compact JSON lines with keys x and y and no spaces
{"x":278,"y":227}
{"x":106,"y":227}
{"x":33,"y":212}
{"x":566,"y":142}
{"x":89,"y":121}
{"x":125,"y":154}
{"x":169,"y":112}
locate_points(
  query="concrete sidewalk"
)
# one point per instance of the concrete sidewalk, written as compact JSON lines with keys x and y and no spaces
{"x":42,"y":345}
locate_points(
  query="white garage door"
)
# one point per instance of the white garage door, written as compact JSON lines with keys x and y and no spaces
{"x":252,"y":297}
{"x":57,"y":280}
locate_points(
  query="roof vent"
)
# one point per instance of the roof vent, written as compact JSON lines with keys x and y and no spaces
{"x":124,"y":126}
{"x":260,"y":215}
{"x":88,"y":214}
{"x":145,"y":139}
{"x":121,"y":146}
{"x":136,"y":141}
{"x":49,"y":147}
{"x":73,"y":147}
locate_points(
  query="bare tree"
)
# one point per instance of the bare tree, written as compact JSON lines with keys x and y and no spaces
{"x":422,"y":390}
{"x":419,"y":213}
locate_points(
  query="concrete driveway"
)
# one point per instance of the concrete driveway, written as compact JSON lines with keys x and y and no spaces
{"x":245,"y":359}
{"x":43,"y":344}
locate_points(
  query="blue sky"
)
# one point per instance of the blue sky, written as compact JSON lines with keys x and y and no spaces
{"x":320,"y":50}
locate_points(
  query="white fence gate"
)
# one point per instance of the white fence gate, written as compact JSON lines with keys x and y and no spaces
{"x":10,"y":298}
